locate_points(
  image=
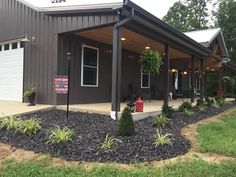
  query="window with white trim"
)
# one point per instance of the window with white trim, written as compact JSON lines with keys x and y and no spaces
{"x":89,"y":69}
{"x":145,"y":80}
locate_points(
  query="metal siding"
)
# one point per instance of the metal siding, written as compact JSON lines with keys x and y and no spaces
{"x":41,"y":56}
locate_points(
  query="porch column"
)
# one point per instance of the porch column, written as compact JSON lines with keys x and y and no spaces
{"x":193,"y":80}
{"x":116,"y":72}
{"x":167,"y":75}
{"x":202,"y":86}
{"x":220,"y":81}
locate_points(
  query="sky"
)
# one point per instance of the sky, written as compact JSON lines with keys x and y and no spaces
{"x":158,"y":8}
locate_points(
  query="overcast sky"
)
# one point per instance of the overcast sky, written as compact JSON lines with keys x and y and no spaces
{"x":157,"y":7}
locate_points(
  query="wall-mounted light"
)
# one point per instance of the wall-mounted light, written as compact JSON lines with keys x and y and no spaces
{"x":123,"y":38}
{"x":173,"y":70}
{"x":147,"y":47}
{"x":212,"y":69}
{"x":208,"y":68}
{"x":185,"y":72}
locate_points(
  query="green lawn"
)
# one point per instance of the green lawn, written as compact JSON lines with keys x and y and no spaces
{"x":195,"y":168}
{"x":219,"y":137}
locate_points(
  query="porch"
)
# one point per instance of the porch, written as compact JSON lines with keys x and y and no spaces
{"x":150,"y":108}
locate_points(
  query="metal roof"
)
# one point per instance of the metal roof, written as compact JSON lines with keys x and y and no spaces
{"x":207,"y":36}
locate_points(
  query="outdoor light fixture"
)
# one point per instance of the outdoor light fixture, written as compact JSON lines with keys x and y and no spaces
{"x":208,"y":68}
{"x":185,"y":72}
{"x":26,"y":39}
{"x":173,"y":70}
{"x":212,"y":69}
{"x":123,"y":38}
{"x":147,"y":47}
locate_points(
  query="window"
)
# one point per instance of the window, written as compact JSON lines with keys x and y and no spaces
{"x":6,"y":47}
{"x":89,"y":69}
{"x":145,"y":80}
{"x":0,"y":48}
{"x":21,"y":44}
{"x":14,"y":45}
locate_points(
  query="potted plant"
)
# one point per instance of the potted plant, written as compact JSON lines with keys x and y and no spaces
{"x":30,"y":95}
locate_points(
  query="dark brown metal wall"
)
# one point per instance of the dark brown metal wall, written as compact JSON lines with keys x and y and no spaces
{"x":40,"y":68}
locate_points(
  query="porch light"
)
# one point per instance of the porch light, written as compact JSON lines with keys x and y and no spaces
{"x":173,"y":70}
{"x":185,"y":72}
{"x":147,"y":47}
{"x":123,"y":38}
{"x":212,"y":69}
{"x":208,"y":68}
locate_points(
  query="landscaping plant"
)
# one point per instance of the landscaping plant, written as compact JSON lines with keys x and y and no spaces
{"x":201,"y":102}
{"x":125,"y":126}
{"x":60,"y":135}
{"x":162,"y":139}
{"x":29,"y":127}
{"x":108,"y":142}
{"x":160,"y":120}
{"x":188,"y":113}
{"x":185,"y":105}
{"x":210,"y":101}
{"x":220,"y":101}
{"x":167,"y":110}
{"x":9,"y":123}
{"x":201,"y":108}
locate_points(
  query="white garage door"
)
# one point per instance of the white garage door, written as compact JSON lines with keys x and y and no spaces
{"x":11,"y":71}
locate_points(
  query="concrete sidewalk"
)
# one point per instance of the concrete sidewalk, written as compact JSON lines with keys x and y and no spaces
{"x":8,"y":108}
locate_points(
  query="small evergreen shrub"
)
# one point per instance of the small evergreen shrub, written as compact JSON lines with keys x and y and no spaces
{"x":167,"y":110}
{"x":160,"y":121}
{"x":187,"y":113}
{"x":125,"y":126}
{"x":185,"y":105}
{"x":220,"y":101}
{"x":201,"y":108}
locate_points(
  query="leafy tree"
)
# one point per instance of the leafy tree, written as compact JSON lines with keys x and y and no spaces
{"x":188,"y":15}
{"x":226,"y":20}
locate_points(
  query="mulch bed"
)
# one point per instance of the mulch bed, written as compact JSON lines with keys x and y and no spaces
{"x":91,"y":130}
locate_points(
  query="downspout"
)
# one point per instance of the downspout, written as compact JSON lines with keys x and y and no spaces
{"x":115,"y":67}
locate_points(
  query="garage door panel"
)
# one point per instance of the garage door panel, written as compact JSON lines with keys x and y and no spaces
{"x":11,"y":75}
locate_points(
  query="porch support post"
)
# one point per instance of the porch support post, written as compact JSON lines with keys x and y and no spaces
{"x":220,"y":81}
{"x":116,"y":72}
{"x":202,"y":87}
{"x":167,"y":75}
{"x":193,"y":79}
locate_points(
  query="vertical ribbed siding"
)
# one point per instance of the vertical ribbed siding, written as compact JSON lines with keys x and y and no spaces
{"x":40,"y":63}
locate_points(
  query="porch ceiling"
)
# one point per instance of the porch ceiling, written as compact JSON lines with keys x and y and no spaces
{"x":133,"y":41}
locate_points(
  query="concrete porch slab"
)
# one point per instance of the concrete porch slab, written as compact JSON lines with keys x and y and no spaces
{"x":8,"y":108}
{"x":150,"y":108}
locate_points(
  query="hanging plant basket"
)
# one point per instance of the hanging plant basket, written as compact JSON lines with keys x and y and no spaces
{"x":151,"y":61}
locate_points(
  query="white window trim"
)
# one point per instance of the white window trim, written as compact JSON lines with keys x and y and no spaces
{"x":142,"y":80}
{"x":82,"y":66}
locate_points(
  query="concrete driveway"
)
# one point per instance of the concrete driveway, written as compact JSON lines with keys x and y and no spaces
{"x":8,"y":108}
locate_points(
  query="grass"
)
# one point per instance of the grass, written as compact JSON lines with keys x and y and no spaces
{"x":194,"y":168}
{"x":219,"y":137}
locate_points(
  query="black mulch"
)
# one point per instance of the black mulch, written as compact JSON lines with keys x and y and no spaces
{"x":91,"y":130}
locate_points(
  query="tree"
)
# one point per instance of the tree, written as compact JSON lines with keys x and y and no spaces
{"x":226,"y":20}
{"x":188,"y":15}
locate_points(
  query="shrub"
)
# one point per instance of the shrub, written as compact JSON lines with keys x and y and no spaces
{"x":59,"y":135}
{"x":160,"y":121}
{"x":162,"y":139}
{"x":188,"y":113}
{"x":125,"y":126}
{"x":220,"y":101}
{"x":9,"y":123}
{"x":201,"y":102}
{"x":108,"y":142}
{"x":185,"y":105}
{"x":201,"y":108}
{"x":167,"y":110}
{"x":29,"y":127}
{"x":209,"y":101}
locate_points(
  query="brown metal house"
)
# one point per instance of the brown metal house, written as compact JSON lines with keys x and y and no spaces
{"x":105,"y":41}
